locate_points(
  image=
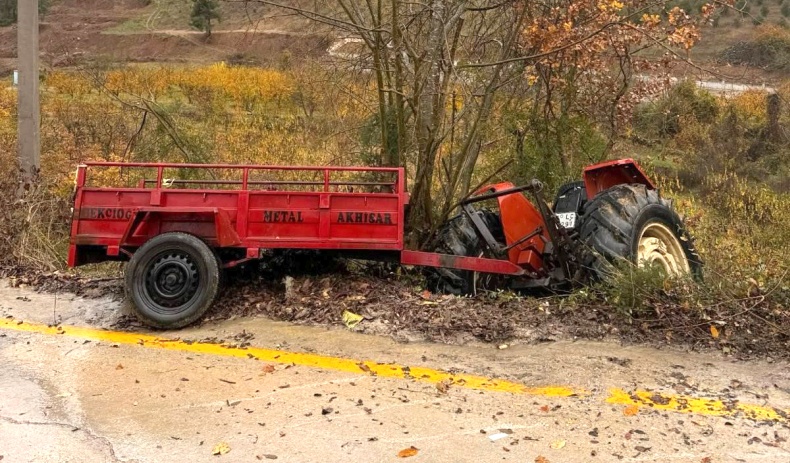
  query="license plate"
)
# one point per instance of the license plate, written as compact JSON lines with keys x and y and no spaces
{"x":567,"y":219}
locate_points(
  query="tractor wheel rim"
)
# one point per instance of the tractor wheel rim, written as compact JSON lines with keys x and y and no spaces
{"x":659,"y":247}
{"x":172,"y":280}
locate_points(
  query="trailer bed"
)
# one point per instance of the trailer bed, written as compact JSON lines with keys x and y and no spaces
{"x":247,"y":207}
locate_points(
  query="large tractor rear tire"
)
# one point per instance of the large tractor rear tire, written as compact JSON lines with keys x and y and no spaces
{"x":172,"y":280}
{"x":632,"y":223}
{"x":458,"y":237}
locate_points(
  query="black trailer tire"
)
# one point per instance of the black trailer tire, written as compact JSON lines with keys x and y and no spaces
{"x":172,"y":280}
{"x":457,"y":237}
{"x":633,"y":223}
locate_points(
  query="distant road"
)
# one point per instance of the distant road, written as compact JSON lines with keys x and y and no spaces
{"x":728,"y":89}
{"x":719,"y":87}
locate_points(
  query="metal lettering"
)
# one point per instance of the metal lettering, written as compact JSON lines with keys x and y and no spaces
{"x":372,"y":218}
{"x":105,"y":213}
{"x":282,"y":217}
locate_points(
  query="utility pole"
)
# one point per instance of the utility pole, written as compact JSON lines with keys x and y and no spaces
{"x":29,"y":110}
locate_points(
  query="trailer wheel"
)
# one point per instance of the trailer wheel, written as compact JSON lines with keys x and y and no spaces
{"x":172,"y":280}
{"x":632,"y":223}
{"x":458,"y":237}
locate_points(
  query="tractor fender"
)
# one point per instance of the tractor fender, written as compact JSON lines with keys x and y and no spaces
{"x":601,"y":177}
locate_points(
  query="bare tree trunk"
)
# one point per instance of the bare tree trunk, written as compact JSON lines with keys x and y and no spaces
{"x":427,"y":122}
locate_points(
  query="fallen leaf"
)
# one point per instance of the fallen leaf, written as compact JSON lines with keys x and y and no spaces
{"x":631,"y":410}
{"x":544,"y":409}
{"x":220,"y":449}
{"x":541,"y":459}
{"x":351,"y":320}
{"x":409,"y":452}
{"x":706,"y":460}
{"x":268,"y":369}
{"x":119,"y":367}
{"x":426,"y":294}
{"x":444,"y":386}
{"x":714,"y":332}
{"x":556,"y":445}
{"x":364,"y":368}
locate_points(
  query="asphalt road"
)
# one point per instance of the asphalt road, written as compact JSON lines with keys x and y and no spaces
{"x":257,"y":390}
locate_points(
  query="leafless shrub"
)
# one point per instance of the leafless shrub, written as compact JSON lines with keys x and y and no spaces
{"x":33,"y":226}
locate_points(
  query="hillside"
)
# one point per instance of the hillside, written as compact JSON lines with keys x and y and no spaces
{"x":74,"y":31}
{"x":158,"y":31}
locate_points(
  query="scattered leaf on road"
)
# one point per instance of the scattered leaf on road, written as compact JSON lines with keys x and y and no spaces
{"x":409,"y":452}
{"x":444,"y":386}
{"x":351,"y":320}
{"x":119,"y":367}
{"x":556,"y":445}
{"x":220,"y":449}
{"x":364,"y":368}
{"x":631,"y":410}
{"x":544,"y":409}
{"x":714,"y":332}
{"x":541,"y":459}
{"x":268,"y":369}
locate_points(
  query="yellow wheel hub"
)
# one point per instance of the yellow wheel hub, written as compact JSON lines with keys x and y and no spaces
{"x":660,"y":247}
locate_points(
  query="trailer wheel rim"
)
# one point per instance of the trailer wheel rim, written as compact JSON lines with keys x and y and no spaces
{"x":172,"y":280}
{"x":660,"y":248}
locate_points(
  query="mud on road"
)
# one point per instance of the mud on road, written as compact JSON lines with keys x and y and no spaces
{"x":86,"y":395}
{"x":393,"y":303}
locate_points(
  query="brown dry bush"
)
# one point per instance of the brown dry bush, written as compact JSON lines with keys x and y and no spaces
{"x":34,"y":227}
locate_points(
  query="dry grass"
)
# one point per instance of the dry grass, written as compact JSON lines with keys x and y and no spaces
{"x":34,"y":227}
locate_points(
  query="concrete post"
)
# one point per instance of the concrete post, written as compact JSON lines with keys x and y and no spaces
{"x":29,"y":105}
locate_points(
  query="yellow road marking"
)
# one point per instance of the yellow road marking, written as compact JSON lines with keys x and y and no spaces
{"x":386,"y":370}
{"x":641,"y":398}
{"x":697,"y":405}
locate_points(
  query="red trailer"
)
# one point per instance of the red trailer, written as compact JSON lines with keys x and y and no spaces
{"x":179,"y":225}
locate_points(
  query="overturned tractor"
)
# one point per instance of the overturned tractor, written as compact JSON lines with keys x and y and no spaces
{"x":179,"y":229}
